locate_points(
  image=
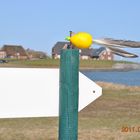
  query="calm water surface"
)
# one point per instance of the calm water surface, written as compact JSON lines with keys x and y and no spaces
{"x":121,"y":77}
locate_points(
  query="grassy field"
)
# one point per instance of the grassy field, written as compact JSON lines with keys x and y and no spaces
{"x":118,"y":107}
{"x":54,"y":63}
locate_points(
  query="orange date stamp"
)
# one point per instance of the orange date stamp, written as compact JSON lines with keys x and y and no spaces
{"x":130,"y":129}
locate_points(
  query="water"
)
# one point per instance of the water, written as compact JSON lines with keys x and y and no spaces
{"x":121,"y":77}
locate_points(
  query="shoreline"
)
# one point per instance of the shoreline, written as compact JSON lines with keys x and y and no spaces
{"x":118,"y":86}
{"x":115,"y":67}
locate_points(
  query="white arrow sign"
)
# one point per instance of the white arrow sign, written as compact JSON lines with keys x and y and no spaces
{"x":34,"y":92}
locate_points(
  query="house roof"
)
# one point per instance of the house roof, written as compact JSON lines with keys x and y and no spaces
{"x":87,"y":52}
{"x":12,"y":50}
{"x":97,"y":52}
{"x":58,"y":47}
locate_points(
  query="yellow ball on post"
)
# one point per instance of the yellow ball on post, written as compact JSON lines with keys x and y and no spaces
{"x":81,"y":40}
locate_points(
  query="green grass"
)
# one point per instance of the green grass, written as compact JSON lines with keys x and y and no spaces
{"x":54,"y":63}
{"x":42,"y":63}
{"x":96,"y":64}
{"x":101,"y":120}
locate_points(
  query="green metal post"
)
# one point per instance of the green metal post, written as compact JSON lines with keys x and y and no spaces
{"x":69,"y":94}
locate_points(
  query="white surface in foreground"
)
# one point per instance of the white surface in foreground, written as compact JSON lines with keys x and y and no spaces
{"x":34,"y":92}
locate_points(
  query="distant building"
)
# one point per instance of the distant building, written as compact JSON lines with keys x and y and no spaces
{"x":32,"y":54}
{"x":14,"y":51}
{"x":85,"y":54}
{"x":2,"y":54}
{"x":101,"y":53}
{"x":57,"y":48}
